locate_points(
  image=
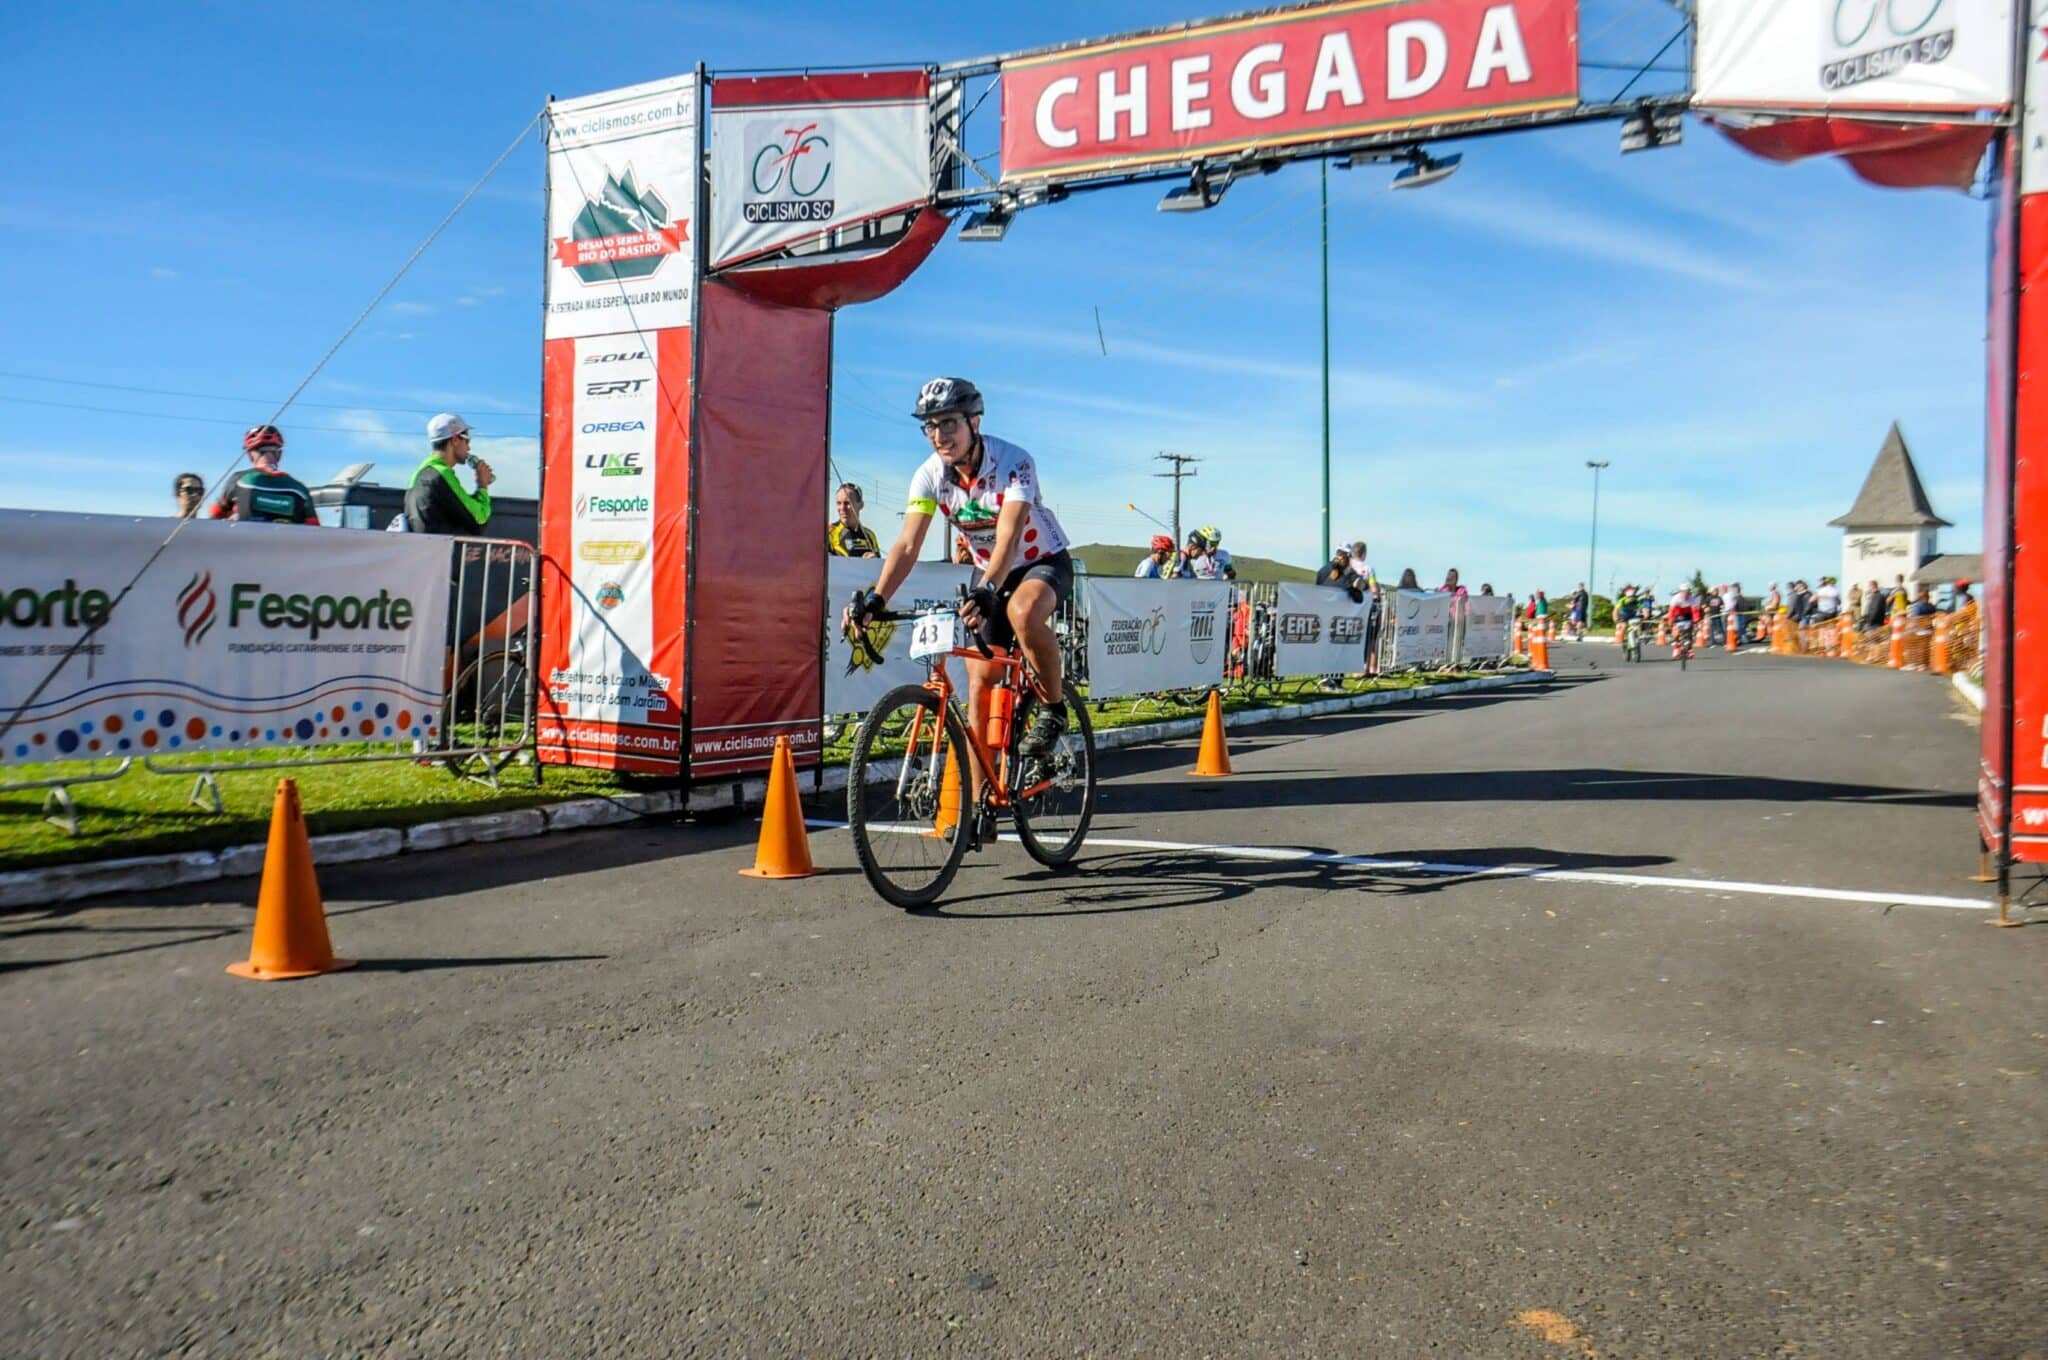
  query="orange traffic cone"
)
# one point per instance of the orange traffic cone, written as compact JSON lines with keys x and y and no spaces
{"x":949,"y":801}
{"x":1539,"y":646}
{"x":785,"y":848}
{"x":291,"y":924}
{"x":1214,"y":758}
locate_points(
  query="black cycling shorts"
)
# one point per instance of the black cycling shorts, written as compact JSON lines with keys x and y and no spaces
{"x":1056,"y":571}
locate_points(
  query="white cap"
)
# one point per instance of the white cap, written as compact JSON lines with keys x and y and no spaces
{"x":446,"y":426}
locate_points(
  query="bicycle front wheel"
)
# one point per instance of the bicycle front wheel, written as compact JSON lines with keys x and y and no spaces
{"x":1055,"y":793}
{"x":906,"y":796}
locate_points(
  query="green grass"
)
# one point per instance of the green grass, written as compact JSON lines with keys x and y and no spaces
{"x":148,"y":814}
{"x":143,"y":813}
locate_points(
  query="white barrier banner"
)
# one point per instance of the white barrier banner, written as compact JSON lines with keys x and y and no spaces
{"x":1320,"y":631}
{"x":622,"y":192}
{"x":1925,"y":55}
{"x":1487,"y":619}
{"x":794,"y":158}
{"x":853,"y":682}
{"x":1147,"y":636}
{"x":1421,"y":627}
{"x":240,"y":636}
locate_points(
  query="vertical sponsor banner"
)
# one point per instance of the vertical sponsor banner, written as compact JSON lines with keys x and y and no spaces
{"x":1320,"y":631}
{"x":1286,"y":77}
{"x":1148,"y":636}
{"x":1919,"y":55}
{"x":238,"y":637}
{"x":854,"y":680}
{"x":794,"y":159}
{"x":623,"y":182}
{"x":622,"y":190}
{"x":1421,"y":627}
{"x":2025,"y":481}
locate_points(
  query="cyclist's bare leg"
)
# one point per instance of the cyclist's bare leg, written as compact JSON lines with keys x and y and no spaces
{"x":1031,"y":611}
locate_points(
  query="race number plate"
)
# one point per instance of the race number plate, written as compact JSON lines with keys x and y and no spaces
{"x":934,"y":635}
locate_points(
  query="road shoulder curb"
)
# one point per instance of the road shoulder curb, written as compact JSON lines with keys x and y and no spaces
{"x":72,"y":882}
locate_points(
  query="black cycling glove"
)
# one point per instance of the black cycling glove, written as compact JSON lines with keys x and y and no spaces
{"x":867,"y":606}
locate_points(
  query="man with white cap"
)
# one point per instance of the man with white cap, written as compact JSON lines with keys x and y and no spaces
{"x":436,"y":503}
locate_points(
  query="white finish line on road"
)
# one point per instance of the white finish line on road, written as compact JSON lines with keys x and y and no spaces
{"x":1291,"y":855}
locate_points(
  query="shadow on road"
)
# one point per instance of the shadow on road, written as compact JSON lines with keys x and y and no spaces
{"x":1531,"y":786}
{"x":1155,"y":880}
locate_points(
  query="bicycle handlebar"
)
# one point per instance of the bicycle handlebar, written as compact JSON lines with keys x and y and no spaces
{"x":902,"y":616}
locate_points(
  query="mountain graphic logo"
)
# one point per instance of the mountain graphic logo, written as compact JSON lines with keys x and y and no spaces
{"x":626,"y":232}
{"x":197,"y":607}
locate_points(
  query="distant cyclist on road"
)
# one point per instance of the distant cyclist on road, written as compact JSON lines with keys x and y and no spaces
{"x":1683,"y":608}
{"x":988,"y":489}
{"x":1158,"y":564}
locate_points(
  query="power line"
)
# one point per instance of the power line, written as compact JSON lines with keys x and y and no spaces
{"x":201,"y":420}
{"x":217,"y":396}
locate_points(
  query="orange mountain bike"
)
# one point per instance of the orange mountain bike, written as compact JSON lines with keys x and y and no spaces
{"x":907,"y":800}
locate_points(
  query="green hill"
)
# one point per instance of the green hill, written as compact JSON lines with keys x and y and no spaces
{"x":1110,"y":559}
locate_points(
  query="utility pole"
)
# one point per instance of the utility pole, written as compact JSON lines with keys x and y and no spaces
{"x":1180,"y":463}
{"x":1325,"y":166}
{"x":1593,"y":548}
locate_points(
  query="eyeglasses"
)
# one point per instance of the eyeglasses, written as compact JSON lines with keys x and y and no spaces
{"x":946,"y":425}
{"x":189,"y":489}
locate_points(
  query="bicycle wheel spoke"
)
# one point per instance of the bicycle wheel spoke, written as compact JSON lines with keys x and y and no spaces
{"x":1056,"y":792}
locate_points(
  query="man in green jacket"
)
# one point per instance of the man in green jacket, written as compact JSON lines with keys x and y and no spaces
{"x":436,"y":502}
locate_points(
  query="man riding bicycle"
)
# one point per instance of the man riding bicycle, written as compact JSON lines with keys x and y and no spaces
{"x":988,"y":489}
{"x":1684,"y":611}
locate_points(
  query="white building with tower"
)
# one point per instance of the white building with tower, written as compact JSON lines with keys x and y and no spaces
{"x":1891,"y":530}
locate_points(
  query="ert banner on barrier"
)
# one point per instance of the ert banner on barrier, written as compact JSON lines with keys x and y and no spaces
{"x":796,"y":158}
{"x":1282,"y":78}
{"x":240,"y":636}
{"x":616,"y":425}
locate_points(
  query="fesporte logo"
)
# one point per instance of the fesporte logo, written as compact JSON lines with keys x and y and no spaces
{"x":197,"y":606}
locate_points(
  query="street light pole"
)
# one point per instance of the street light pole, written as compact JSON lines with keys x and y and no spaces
{"x":1593,"y":552}
{"x":1325,"y":164}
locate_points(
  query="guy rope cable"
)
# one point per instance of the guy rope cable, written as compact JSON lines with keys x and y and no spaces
{"x":14,"y":717}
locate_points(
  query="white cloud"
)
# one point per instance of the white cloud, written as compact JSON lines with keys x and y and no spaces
{"x":159,"y":272}
{"x":1539,"y":222}
{"x":413,"y":308}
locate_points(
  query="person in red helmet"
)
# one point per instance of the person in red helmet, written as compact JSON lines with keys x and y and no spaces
{"x":263,"y":493}
{"x":1157,"y":564}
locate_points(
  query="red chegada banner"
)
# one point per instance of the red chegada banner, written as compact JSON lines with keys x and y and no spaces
{"x":1319,"y":73}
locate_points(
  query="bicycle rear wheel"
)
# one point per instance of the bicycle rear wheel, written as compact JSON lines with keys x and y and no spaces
{"x":909,"y":830}
{"x":486,"y":707}
{"x":1055,"y":793}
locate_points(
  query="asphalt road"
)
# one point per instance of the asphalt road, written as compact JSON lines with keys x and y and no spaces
{"x":599,"y":1095}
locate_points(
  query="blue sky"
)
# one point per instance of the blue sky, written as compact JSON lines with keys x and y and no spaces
{"x":208,"y":212}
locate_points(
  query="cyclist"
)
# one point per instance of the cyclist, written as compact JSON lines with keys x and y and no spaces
{"x":1220,"y":566}
{"x":988,"y":489}
{"x":1683,"y":609}
{"x":1157,"y":564}
{"x":263,"y":493}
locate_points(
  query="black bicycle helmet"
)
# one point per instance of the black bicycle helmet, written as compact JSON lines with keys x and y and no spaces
{"x":942,"y":395}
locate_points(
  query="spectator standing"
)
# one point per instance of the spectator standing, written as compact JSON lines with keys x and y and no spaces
{"x":1961,"y":599}
{"x":1875,"y":606}
{"x":1856,"y":603}
{"x":1361,"y":565}
{"x":1902,"y":599}
{"x":188,"y":492}
{"x":1157,"y":564}
{"x":845,"y":537}
{"x":436,"y":502}
{"x":1408,"y":581}
{"x":1336,"y":571}
{"x":1195,"y":562}
{"x":1827,"y":601}
{"x":1576,"y":612}
{"x":1731,"y":608}
{"x":263,"y":493}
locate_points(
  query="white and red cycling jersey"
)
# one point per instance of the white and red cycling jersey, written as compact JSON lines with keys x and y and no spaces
{"x":1688,"y":611}
{"x":1007,"y":472}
